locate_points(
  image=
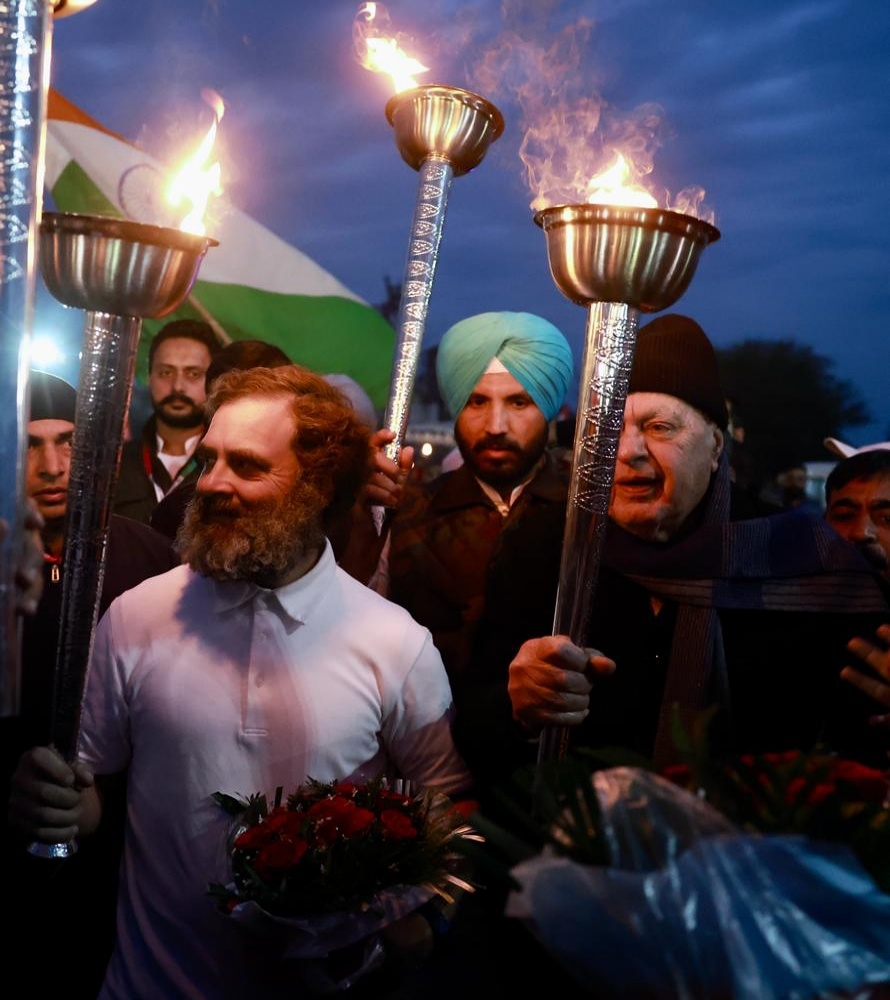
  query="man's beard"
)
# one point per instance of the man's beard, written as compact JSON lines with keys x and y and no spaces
{"x":503,"y":476}
{"x":260,"y":544}
{"x":193,"y":417}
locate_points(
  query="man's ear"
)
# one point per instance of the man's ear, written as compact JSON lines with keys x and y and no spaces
{"x":719,"y":441}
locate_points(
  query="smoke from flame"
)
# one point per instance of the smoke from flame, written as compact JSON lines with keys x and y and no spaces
{"x":575,"y":146}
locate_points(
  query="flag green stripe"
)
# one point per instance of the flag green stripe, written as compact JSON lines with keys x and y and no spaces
{"x":324,"y":333}
{"x":75,"y":192}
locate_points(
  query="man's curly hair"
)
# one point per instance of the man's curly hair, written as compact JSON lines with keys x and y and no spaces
{"x":331,"y":443}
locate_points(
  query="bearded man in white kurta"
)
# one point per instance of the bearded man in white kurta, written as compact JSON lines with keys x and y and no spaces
{"x":257,"y":664}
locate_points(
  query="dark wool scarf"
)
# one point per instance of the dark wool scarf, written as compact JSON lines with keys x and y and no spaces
{"x":791,"y":561}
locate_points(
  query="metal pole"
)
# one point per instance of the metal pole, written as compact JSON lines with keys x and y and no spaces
{"x":427,"y":225}
{"x":609,"y":344}
{"x":25,"y":47}
{"x":103,"y":398}
{"x":443,"y":132}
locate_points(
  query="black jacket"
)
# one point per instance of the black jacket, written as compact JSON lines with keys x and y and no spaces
{"x":69,"y":902}
{"x":134,"y":492}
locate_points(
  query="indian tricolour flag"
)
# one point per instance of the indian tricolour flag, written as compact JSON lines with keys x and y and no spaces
{"x":252,"y":285}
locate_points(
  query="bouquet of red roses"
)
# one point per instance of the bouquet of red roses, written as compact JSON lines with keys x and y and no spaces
{"x":337,"y":862}
{"x":817,"y":794}
{"x":335,"y":846}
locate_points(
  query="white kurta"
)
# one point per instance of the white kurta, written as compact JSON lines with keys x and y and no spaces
{"x":197,"y":687}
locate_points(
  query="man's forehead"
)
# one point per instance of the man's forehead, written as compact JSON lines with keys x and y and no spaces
{"x":181,"y":349}
{"x":241,"y":417}
{"x":49,"y":428}
{"x":872,"y":489}
{"x":646,"y":405}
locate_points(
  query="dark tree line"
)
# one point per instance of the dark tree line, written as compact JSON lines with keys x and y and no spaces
{"x":788,"y":400}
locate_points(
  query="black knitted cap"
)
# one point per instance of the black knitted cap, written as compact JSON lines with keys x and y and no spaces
{"x":52,"y":398}
{"x":674,"y":356}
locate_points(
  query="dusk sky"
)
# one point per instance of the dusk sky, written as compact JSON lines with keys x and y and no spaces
{"x":778,"y":109}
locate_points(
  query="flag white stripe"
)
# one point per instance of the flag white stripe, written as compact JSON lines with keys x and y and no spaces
{"x":248,"y":253}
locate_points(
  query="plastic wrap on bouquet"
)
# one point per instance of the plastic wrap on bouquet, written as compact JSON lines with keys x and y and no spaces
{"x":318,"y":936}
{"x":691,"y":908}
{"x":330,"y":952}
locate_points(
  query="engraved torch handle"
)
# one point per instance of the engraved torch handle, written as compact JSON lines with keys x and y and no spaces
{"x":434,"y":186}
{"x":609,"y":344}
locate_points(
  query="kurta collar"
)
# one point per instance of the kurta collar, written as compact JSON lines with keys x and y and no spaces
{"x":295,"y":602}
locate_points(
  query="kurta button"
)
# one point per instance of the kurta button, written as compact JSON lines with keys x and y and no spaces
{"x":259,"y":681}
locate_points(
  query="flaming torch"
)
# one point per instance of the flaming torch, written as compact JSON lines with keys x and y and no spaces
{"x":120,"y":272}
{"x":26,"y":28}
{"x":619,"y":256}
{"x":442,"y":132}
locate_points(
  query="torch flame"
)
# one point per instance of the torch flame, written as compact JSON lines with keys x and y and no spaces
{"x":380,"y":52}
{"x":611,"y":187}
{"x":194,"y":182}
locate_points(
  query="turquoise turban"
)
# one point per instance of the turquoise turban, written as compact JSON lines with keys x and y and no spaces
{"x":532,"y":350}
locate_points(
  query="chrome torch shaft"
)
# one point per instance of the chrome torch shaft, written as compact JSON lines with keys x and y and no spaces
{"x":619,"y":261}
{"x":609,"y":344}
{"x":434,"y":186}
{"x":103,"y":398}
{"x":443,"y":132}
{"x":25,"y":43}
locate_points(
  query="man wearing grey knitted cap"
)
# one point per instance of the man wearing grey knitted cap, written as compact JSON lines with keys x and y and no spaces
{"x":48,"y":897}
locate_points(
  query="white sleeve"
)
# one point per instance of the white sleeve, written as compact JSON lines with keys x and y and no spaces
{"x":418,"y":731}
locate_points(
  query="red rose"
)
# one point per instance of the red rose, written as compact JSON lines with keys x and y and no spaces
{"x":870,"y":784}
{"x":279,"y":857}
{"x":254,"y":837}
{"x":465,"y":808}
{"x":396,"y":825}
{"x":816,"y":795}
{"x":284,"y":822}
{"x":677,"y":773}
{"x":786,"y":757}
{"x":396,"y":798}
{"x":336,"y":816}
{"x":357,"y":821}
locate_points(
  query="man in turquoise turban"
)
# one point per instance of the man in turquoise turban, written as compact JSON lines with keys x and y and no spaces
{"x":530,"y":348}
{"x":474,"y":554}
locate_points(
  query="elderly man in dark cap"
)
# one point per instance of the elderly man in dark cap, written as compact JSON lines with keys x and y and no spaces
{"x":698,"y":602}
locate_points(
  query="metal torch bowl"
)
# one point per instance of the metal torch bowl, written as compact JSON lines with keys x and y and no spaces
{"x":454,"y":124}
{"x":644,"y":257}
{"x":114,"y":266}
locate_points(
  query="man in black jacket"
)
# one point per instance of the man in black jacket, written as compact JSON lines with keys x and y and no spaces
{"x":160,"y":460}
{"x":474,"y":554}
{"x":49,"y":898}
